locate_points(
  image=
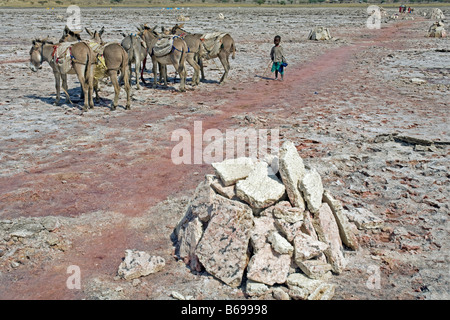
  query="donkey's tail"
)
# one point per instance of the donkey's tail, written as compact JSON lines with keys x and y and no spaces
{"x":233,"y":48}
{"x":124,"y":68}
{"x":182,"y":60}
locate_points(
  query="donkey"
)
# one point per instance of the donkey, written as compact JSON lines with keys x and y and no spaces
{"x":176,"y":57}
{"x":137,"y":52}
{"x":115,"y":60}
{"x":80,"y":61}
{"x":227,"y":48}
{"x":195,"y":50}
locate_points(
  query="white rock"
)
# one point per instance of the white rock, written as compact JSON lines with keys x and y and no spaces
{"x":364,"y":219}
{"x":232,"y":170}
{"x":269,"y":267}
{"x":254,"y":288}
{"x":139,"y":264}
{"x":345,"y":231}
{"x":307,"y":248}
{"x":292,"y":170}
{"x":328,"y":232}
{"x":314,"y":269}
{"x":280,"y":294}
{"x":325,"y":291}
{"x":280,"y":244}
{"x":284,"y":210}
{"x":302,"y":284}
{"x":177,"y":295}
{"x":263,"y":226}
{"x":260,"y":189}
{"x":312,"y":189}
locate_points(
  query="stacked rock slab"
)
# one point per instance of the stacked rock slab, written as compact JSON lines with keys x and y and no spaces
{"x":279,"y":230}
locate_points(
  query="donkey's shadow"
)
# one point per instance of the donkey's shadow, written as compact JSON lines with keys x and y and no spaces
{"x":76,"y":97}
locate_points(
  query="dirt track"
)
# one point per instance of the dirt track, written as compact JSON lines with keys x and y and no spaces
{"x":110,"y":178}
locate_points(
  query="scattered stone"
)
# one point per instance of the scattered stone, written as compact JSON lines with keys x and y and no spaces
{"x":232,"y":170}
{"x":52,"y":239}
{"x":263,"y":226}
{"x":307,"y":226}
{"x":219,"y":187}
{"x":50,"y":223}
{"x":324,"y":291}
{"x":283,"y":210}
{"x":279,"y":293}
{"x":188,"y":240}
{"x":345,"y":232}
{"x":301,"y":286}
{"x":139,"y":264}
{"x":328,"y":232}
{"x":292,"y":170}
{"x":312,"y":189}
{"x":223,"y":247}
{"x":177,"y":295}
{"x":280,"y":244}
{"x":260,"y":189}
{"x":319,"y":33}
{"x":437,"y":14}
{"x":135,"y":282}
{"x":255,"y":288}
{"x":204,"y":199}
{"x":269,"y":267}
{"x":25,"y":229}
{"x":437,"y":30}
{"x":307,"y":248}
{"x":297,"y":293}
{"x":289,"y":230}
{"x":418,"y":81}
{"x":315,"y":269}
{"x":364,"y":219}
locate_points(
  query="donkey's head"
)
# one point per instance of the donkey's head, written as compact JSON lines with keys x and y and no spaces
{"x":146,"y":32}
{"x":70,"y":36}
{"x":36,"y":54}
{"x":178,"y":28}
{"x":96,"y":36}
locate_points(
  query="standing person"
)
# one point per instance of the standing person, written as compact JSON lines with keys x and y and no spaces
{"x":277,"y":56}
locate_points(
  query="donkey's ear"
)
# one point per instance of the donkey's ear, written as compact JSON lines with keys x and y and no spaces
{"x":181,"y":26}
{"x":34,"y":42}
{"x":89,"y":32}
{"x":101,"y":31}
{"x":66,"y":30}
{"x":124,"y":35}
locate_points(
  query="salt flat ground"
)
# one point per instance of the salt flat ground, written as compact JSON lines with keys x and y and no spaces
{"x":109,"y":178}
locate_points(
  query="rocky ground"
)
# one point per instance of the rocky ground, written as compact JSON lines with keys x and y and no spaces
{"x":78,"y":189}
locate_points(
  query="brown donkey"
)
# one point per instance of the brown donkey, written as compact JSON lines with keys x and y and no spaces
{"x":73,"y":58}
{"x":176,"y":55}
{"x":227,"y":48}
{"x":112,"y":58}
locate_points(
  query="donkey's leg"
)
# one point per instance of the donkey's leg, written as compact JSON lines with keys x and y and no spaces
{"x":226,"y":66}
{"x":90,"y":83}
{"x":65,"y":88}
{"x":137,"y":68}
{"x":200,"y":63}
{"x":155,"y":72}
{"x":115,"y":82}
{"x":57,"y":87}
{"x":79,"y":69}
{"x":196,"y":77}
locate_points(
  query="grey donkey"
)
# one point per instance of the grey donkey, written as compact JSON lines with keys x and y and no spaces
{"x":137,"y":53}
{"x":80,"y":61}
